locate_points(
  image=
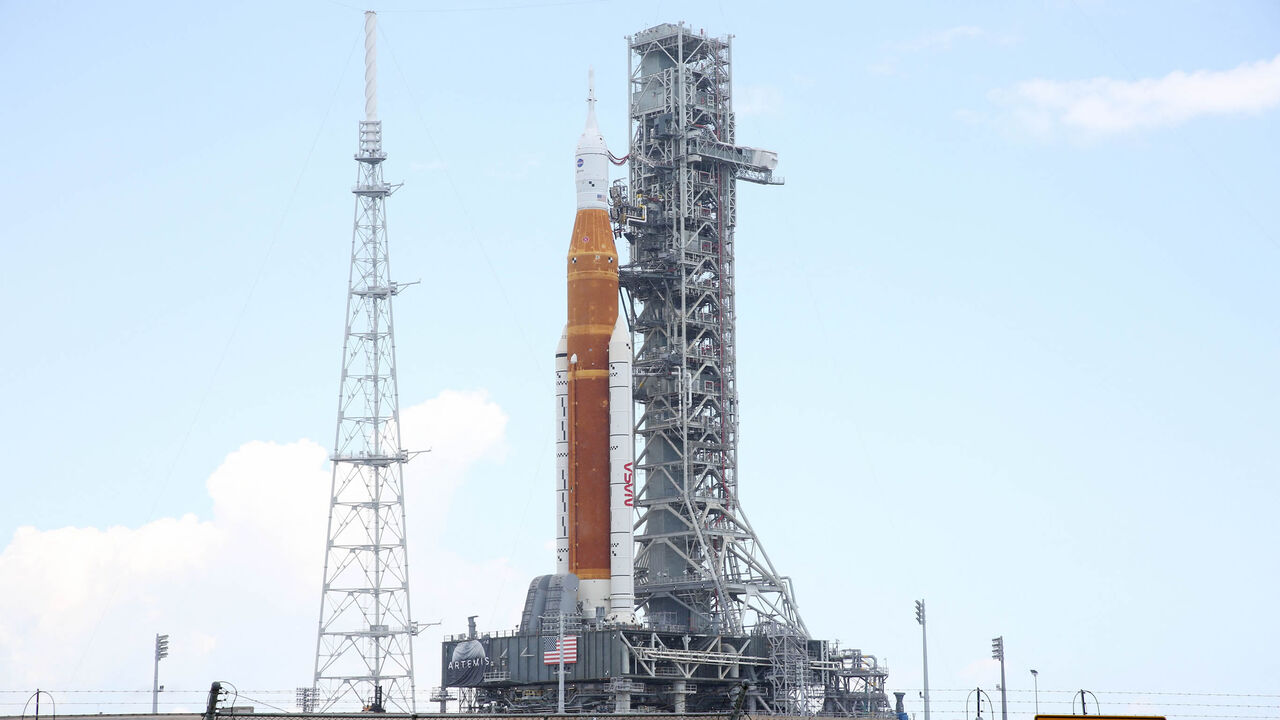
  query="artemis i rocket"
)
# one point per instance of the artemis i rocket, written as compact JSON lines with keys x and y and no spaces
{"x":595,"y":449}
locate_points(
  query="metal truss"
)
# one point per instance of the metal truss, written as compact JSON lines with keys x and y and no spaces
{"x":364,"y":646}
{"x":794,"y":678}
{"x":851,"y":684}
{"x":700,"y":565}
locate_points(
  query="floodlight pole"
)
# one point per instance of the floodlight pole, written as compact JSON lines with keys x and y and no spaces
{"x":997,"y":653}
{"x":1035,"y":679}
{"x":560,"y":655}
{"x":162,"y":651}
{"x":924,"y":642}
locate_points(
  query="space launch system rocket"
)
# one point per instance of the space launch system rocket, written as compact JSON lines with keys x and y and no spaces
{"x":595,"y":492}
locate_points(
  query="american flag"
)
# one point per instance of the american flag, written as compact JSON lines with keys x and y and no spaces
{"x":551,"y":650}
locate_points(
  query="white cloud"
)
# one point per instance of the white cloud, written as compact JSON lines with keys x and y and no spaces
{"x":58,"y":583}
{"x":1105,"y":106}
{"x":238,"y":593}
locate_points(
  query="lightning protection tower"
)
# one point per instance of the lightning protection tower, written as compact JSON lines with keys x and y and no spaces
{"x":364,"y":647}
{"x":699,"y":565}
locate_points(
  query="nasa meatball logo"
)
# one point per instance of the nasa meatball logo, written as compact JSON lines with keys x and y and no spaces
{"x":579,"y":162}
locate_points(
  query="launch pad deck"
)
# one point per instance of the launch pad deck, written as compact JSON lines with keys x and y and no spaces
{"x":616,"y":669}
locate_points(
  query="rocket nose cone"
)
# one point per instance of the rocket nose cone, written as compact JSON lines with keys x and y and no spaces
{"x":562,"y":347}
{"x":592,"y":139}
{"x":591,"y":172}
{"x":621,"y":337}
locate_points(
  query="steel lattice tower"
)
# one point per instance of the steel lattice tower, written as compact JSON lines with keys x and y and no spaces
{"x":699,"y":564}
{"x":364,"y":646}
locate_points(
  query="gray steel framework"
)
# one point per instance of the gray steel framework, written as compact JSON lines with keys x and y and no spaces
{"x":674,"y":670}
{"x":364,"y":648}
{"x":699,"y":564}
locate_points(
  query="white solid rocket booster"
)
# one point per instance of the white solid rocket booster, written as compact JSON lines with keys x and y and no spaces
{"x":622,"y":496}
{"x":562,"y":454}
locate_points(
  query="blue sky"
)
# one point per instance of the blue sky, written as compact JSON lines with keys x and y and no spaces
{"x":1008,"y":336}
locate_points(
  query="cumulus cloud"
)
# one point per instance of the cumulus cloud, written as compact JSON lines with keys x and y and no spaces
{"x":1105,"y":106}
{"x":239,"y":592}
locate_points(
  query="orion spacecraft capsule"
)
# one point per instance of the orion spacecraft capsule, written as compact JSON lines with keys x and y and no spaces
{"x":595,"y":450}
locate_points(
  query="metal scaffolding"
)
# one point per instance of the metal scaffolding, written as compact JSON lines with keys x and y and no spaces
{"x":364,"y":646}
{"x":719,"y":631}
{"x":699,"y":565}
{"x":788,"y":672}
{"x":637,"y":668}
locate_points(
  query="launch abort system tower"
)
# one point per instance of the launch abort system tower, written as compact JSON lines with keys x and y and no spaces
{"x":364,"y":645}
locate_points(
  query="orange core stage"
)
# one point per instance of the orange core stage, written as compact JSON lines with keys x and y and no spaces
{"x":593,"y":310}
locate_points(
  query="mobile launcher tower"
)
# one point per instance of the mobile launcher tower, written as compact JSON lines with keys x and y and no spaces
{"x":717,"y":626}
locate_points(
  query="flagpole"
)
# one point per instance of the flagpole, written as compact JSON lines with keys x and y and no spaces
{"x":560,"y":654}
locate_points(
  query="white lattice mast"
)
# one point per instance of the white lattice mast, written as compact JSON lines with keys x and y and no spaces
{"x":364,"y":646}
